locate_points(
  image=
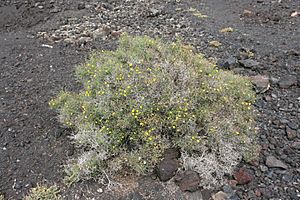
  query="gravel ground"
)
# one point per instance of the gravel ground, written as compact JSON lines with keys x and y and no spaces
{"x":42,"y":41}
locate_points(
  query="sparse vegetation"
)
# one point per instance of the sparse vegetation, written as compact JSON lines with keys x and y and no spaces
{"x":197,"y":13}
{"x":215,"y":43}
{"x":227,"y":30}
{"x":42,"y":192}
{"x":149,"y":95}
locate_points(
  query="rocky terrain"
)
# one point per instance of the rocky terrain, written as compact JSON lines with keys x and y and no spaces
{"x":41,"y":42}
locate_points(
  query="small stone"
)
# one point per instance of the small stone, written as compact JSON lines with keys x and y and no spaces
{"x":220,"y":196}
{"x":296,"y":145}
{"x":263,"y":168}
{"x":206,"y":194}
{"x":293,"y":52}
{"x":247,"y":13}
{"x":70,"y":151}
{"x":288,"y":178}
{"x":290,"y":133}
{"x":154,"y":12}
{"x":228,"y":189}
{"x":238,"y":70}
{"x":273,"y":162}
{"x":215,"y":43}
{"x":283,"y":121}
{"x":274,"y":96}
{"x":234,"y":197}
{"x":98,"y":33}
{"x":242,"y":176}
{"x":116,"y":34}
{"x":268,"y":98}
{"x":294,"y":14}
{"x":274,"y":80}
{"x":135,"y":195}
{"x":287,"y":81}
{"x":83,"y":40}
{"x":69,"y":40}
{"x":267,"y":193}
{"x":230,"y":63}
{"x":55,"y":10}
{"x":18,"y":185}
{"x":100,"y":190}
{"x":292,"y":125}
{"x":188,"y":181}
{"x":232,"y":183}
{"x":197,"y":195}
{"x":81,"y":6}
{"x":257,"y":192}
{"x":29,"y":80}
{"x":166,"y":169}
{"x":249,"y":63}
{"x":54,"y":38}
{"x":261,"y":83}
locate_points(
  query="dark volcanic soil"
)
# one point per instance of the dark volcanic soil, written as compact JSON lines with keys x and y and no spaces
{"x":42,"y":40}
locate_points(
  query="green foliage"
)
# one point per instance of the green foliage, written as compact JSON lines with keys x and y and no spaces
{"x":43,"y":193}
{"x":147,"y":96}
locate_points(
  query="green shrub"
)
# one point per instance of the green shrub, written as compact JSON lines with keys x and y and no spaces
{"x":42,"y":192}
{"x":148,"y":96}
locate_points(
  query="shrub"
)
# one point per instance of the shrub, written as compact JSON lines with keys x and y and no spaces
{"x":148,"y":96}
{"x":42,"y":192}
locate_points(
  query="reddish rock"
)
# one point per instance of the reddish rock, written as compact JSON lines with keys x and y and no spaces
{"x":258,"y":192}
{"x":188,"y":181}
{"x":116,"y":34}
{"x":242,"y":176}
